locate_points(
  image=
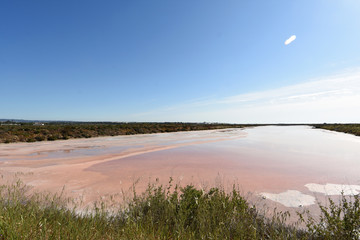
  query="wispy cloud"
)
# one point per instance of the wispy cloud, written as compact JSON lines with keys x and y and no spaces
{"x":329,"y":99}
{"x":290,"y":40}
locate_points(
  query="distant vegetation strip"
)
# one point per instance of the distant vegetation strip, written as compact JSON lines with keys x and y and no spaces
{"x":345,"y":128}
{"x":32,"y":132}
{"x":168,"y":213}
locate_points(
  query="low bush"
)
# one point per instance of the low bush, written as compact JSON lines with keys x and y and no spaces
{"x":25,"y":132}
{"x":166,"y":213}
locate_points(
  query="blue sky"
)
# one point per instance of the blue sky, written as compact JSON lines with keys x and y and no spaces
{"x":192,"y":61}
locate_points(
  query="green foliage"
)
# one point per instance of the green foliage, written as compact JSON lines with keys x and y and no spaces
{"x":166,"y":213}
{"x":346,"y":128}
{"x":337,"y":221}
{"x":40,"y":216}
{"x":28,"y":132}
{"x":159,"y":213}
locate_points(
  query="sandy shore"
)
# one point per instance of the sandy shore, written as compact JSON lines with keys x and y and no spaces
{"x":84,"y":167}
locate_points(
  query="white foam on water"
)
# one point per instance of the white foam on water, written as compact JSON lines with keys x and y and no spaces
{"x":290,"y":198}
{"x":334,"y":189}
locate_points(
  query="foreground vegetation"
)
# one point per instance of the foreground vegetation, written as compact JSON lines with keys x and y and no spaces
{"x":32,"y":132}
{"x":161,"y":213}
{"x":346,"y":128}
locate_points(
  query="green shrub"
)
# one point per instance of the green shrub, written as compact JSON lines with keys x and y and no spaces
{"x":166,"y":213}
{"x":62,"y":130}
{"x":40,"y":138}
{"x":337,"y":221}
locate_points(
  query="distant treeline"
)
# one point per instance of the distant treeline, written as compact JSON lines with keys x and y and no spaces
{"x":32,"y":132}
{"x":346,"y":128}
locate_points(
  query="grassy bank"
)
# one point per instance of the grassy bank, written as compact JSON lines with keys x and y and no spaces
{"x":186,"y":213}
{"x":32,"y":132}
{"x":346,"y":128}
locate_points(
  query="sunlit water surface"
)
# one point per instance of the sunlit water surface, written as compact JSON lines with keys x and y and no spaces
{"x":279,"y":162}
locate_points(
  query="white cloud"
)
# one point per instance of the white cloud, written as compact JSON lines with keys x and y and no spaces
{"x":329,"y":99}
{"x":290,"y":40}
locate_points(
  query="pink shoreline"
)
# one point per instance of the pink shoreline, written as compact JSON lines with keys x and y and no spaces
{"x":269,"y":159}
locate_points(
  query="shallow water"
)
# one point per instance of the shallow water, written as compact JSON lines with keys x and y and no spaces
{"x":266,"y":160}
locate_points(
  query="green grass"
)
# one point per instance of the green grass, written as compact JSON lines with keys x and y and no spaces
{"x":165,"y":213}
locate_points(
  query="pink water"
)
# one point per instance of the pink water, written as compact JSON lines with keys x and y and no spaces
{"x":262,"y":159}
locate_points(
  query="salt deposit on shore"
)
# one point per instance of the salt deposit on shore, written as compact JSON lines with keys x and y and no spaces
{"x":334,"y":189}
{"x":291,"y":198}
